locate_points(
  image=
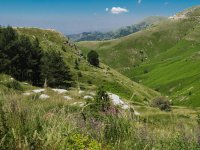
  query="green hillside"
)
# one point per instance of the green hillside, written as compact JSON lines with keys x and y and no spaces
{"x":164,"y":57}
{"x":87,"y":76}
{"x":51,"y":120}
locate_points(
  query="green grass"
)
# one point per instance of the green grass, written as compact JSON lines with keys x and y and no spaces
{"x":92,"y":77}
{"x":164,"y":57}
{"x":55,"y":123}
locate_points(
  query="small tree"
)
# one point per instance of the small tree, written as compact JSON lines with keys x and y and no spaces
{"x":93,"y":58}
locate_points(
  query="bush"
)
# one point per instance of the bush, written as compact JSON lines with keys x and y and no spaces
{"x":102,"y":99}
{"x":146,"y":71}
{"x":78,"y":141}
{"x":80,"y":74}
{"x":101,"y":103}
{"x":162,"y":103}
{"x":14,"y":85}
{"x":93,"y":58}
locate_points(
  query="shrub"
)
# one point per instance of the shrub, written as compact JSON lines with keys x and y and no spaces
{"x":14,"y":85}
{"x":93,"y":58}
{"x":146,"y":71}
{"x":80,"y":74}
{"x":102,"y":99}
{"x":89,"y":82}
{"x":162,"y":103}
{"x":78,"y":141}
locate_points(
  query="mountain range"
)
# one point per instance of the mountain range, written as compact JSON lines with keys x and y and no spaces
{"x":124,"y":31}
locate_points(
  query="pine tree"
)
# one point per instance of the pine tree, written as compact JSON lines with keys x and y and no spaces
{"x":55,"y":70}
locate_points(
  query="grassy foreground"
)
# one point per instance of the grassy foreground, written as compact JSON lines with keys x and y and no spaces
{"x":27,"y":122}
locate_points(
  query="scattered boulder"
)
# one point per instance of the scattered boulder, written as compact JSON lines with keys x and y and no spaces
{"x":44,"y":96}
{"x":92,"y":93}
{"x":81,"y":104}
{"x":27,"y":94}
{"x":67,"y":98}
{"x":125,"y":106}
{"x":60,"y":91}
{"x":39,"y":90}
{"x":136,"y":113}
{"x":117,"y":101}
{"x":81,"y":92}
{"x":88,"y":97}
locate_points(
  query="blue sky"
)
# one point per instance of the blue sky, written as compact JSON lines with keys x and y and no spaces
{"x":74,"y":16}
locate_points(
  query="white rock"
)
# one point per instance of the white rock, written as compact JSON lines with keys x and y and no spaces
{"x":38,"y":90}
{"x":92,"y":93}
{"x":81,"y":104}
{"x":67,"y":98}
{"x":125,"y":106}
{"x":26,"y":94}
{"x":117,"y":101}
{"x":80,"y":92}
{"x":60,"y":91}
{"x":44,"y":96}
{"x":88,"y":97}
{"x":136,"y":113}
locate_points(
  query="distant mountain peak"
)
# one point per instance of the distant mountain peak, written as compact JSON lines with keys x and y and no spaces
{"x":194,"y":11}
{"x":121,"y":32}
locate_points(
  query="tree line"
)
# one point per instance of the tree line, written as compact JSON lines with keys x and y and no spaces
{"x":24,"y":59}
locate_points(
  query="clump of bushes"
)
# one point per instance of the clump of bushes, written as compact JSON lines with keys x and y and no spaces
{"x":162,"y":103}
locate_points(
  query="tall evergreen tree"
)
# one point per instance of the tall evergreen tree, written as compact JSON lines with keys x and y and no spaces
{"x":55,"y":70}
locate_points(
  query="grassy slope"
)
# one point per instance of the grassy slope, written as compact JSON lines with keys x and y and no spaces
{"x":44,"y":124}
{"x":169,"y":52}
{"x":111,"y":79}
{"x":57,"y":123}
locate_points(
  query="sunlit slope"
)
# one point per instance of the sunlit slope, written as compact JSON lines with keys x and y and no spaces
{"x":164,"y":57}
{"x":88,"y":76}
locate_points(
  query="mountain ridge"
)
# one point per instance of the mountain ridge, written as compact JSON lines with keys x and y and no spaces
{"x":124,"y":31}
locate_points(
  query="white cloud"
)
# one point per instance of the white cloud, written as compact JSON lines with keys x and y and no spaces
{"x":107,"y":9}
{"x":118,"y":10}
{"x":139,"y":1}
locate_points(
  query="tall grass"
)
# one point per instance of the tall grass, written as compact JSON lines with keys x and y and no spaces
{"x":55,"y":124}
